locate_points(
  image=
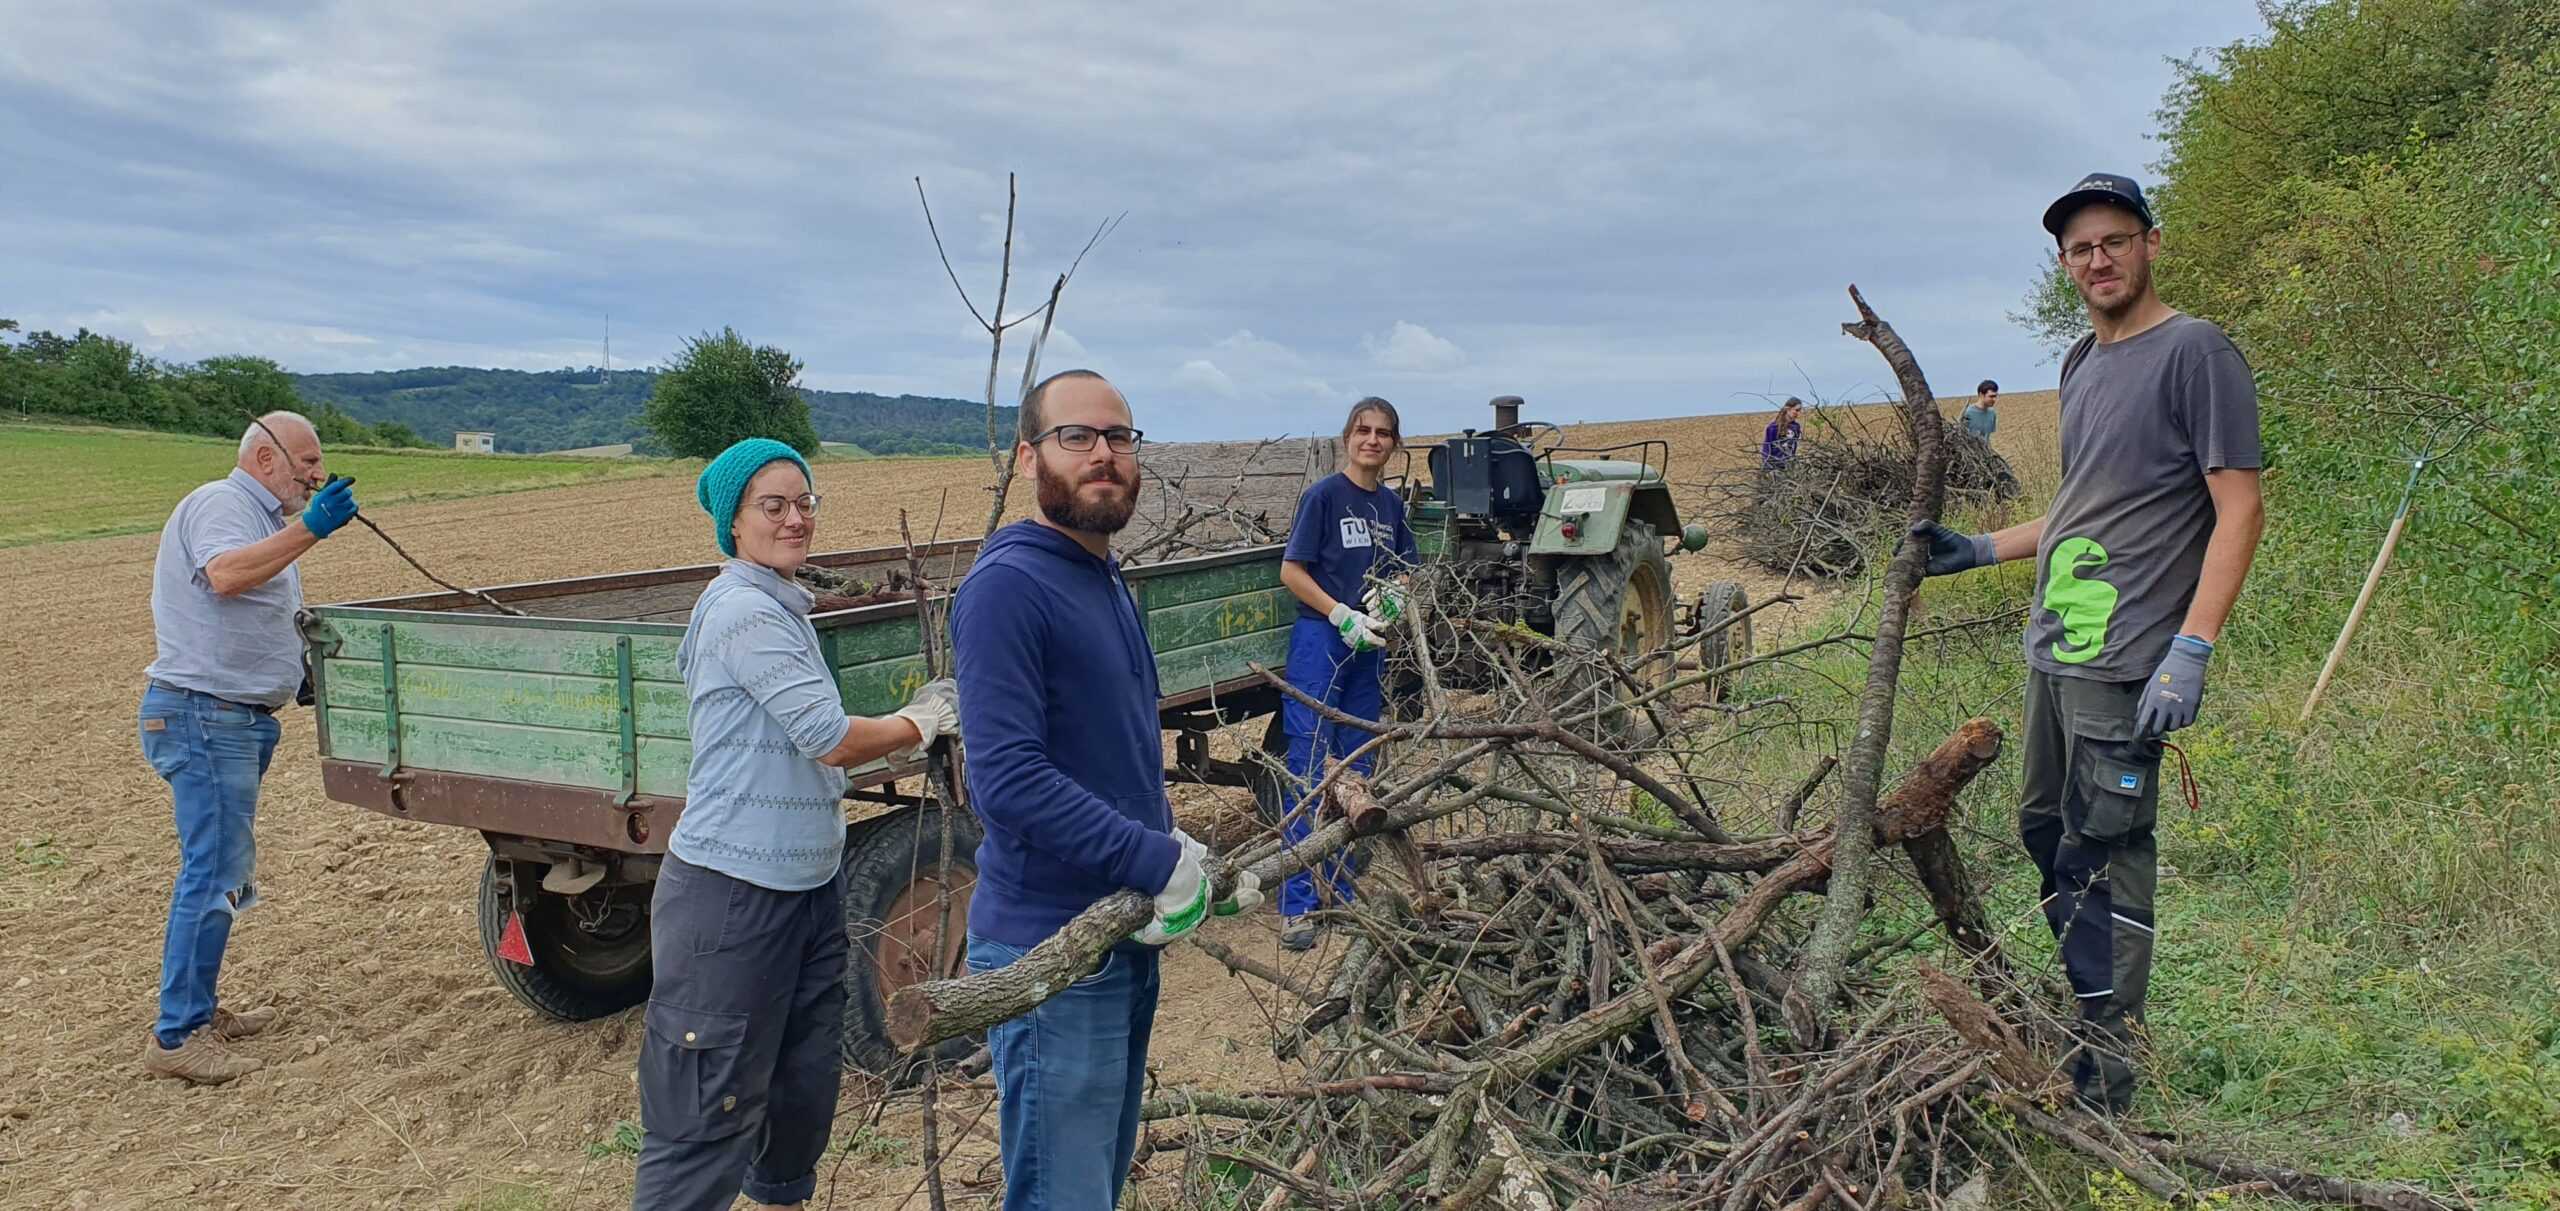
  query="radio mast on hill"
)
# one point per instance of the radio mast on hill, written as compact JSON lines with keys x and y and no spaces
{"x":607,"y":380}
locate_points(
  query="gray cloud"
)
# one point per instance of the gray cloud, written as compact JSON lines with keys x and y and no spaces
{"x":1642,"y":211}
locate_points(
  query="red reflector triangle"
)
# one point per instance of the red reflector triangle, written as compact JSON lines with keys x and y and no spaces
{"x":511,"y":945}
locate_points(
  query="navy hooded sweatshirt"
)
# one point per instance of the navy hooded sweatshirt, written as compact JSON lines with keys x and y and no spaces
{"x":1058,"y":712}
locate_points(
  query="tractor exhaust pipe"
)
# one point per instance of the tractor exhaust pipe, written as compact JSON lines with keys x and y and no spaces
{"x":1506,"y":412}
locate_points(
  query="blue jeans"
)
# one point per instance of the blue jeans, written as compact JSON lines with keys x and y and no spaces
{"x":212,"y":753}
{"x":1069,"y":1077}
{"x":1323,"y":669}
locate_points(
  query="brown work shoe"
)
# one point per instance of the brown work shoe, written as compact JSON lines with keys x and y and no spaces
{"x":232,"y":1027}
{"x":203,"y":1059}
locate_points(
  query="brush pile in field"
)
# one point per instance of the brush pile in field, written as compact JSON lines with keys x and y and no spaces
{"x":1848,"y":487}
{"x":1574,"y":977}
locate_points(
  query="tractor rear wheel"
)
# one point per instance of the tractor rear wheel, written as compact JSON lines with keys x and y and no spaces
{"x":1619,"y":604}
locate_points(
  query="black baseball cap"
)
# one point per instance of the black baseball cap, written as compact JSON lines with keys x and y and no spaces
{"x":2097,"y":187}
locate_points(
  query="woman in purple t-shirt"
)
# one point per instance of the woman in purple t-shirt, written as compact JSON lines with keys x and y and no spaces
{"x":1778,"y":442}
{"x":1348,"y":542}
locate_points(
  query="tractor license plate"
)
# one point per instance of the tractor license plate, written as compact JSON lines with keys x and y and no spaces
{"x":1590,"y":499}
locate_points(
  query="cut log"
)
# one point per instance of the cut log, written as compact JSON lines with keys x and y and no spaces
{"x":921,"y":1015}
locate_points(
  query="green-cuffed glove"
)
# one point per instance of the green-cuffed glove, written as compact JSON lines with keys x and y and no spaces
{"x":1247,"y":894}
{"x":1359,"y":632}
{"x":1384,"y":604}
{"x":334,"y":505}
{"x":2170,"y":698}
{"x":1184,"y":902}
{"x":1950,"y":552}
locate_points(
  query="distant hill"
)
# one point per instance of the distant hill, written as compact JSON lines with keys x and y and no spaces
{"x":532,"y":412}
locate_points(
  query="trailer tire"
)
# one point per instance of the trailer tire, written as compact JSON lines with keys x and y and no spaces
{"x":890,"y":899}
{"x":1267,"y":776}
{"x":573,"y":978}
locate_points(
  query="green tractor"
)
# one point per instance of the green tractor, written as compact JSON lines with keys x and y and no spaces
{"x":1573,"y":543}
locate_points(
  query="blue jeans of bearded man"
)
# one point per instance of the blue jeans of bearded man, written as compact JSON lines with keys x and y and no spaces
{"x":212,"y":753}
{"x":1323,"y":669}
{"x":1070,"y":1076}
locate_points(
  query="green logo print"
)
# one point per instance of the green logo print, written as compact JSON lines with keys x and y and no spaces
{"x":2083,"y":604}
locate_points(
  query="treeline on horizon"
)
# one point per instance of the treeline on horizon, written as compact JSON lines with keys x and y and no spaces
{"x":534,"y":411}
{"x":91,"y":376}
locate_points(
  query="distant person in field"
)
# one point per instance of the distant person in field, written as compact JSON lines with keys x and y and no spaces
{"x":1982,"y":416}
{"x":1348,"y":544}
{"x":2138,"y":561}
{"x":740,"y":1062}
{"x":224,"y":590}
{"x":1066,"y":770}
{"x":1779,"y":441}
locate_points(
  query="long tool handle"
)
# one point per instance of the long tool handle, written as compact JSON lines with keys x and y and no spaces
{"x":2372,"y":579}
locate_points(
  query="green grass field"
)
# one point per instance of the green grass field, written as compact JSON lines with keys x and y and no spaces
{"x":62,"y":482}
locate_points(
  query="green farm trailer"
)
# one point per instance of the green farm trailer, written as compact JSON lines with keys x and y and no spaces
{"x":561,"y":737}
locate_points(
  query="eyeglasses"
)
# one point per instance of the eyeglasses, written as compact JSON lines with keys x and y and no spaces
{"x":1079,"y":439}
{"x":775,"y":508}
{"x":2116,"y":245}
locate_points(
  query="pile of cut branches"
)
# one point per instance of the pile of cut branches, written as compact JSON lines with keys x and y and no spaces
{"x":1846,"y":487}
{"x":1574,"y":977}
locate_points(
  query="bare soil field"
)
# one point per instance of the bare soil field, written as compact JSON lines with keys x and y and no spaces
{"x":402,"y":1076}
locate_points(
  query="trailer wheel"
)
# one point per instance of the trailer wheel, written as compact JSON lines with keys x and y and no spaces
{"x":894,"y":891}
{"x":1269,"y":780}
{"x":590,"y":951}
{"x":1717,"y":602}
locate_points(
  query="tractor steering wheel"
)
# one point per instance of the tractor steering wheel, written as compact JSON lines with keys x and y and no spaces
{"x":1528,"y":433}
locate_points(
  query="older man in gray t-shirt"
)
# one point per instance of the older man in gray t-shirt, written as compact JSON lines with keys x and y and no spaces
{"x":2138,"y":562}
{"x":224,"y":590}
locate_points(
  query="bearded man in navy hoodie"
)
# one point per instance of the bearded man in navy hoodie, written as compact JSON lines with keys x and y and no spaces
{"x":1066,"y":769}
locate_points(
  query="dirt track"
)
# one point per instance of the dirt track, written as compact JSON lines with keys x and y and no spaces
{"x":402,"y":1076}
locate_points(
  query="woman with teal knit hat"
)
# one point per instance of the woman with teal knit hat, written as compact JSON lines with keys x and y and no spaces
{"x":739,"y":1067}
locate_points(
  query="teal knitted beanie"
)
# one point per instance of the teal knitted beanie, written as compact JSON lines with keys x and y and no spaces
{"x":724,"y":483}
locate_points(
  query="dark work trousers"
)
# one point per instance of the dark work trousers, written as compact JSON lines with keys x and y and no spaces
{"x":738,"y":1069}
{"x":2088,"y":807}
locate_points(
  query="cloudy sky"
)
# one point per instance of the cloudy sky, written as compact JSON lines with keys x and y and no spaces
{"x":1615,"y":210}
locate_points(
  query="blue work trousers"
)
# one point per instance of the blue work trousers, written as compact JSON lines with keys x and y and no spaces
{"x":1322,"y":668}
{"x":212,"y":753}
{"x":1070,"y":1075}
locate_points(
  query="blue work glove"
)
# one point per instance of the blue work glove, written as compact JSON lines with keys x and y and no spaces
{"x":1951,"y":552}
{"x":331,"y":507}
{"x":2170,"y":698}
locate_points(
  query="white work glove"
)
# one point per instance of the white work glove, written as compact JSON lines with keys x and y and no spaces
{"x":1384,"y":604}
{"x":935,"y":710}
{"x":1184,"y":902}
{"x":1247,"y":894}
{"x":1359,"y":632}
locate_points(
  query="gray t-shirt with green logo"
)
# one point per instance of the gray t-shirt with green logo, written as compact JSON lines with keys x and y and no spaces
{"x":2143,"y":419}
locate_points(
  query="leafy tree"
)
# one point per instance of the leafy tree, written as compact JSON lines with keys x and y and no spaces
{"x":2052,"y":310}
{"x":721,"y":390}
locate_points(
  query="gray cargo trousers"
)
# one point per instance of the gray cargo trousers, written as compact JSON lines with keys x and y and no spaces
{"x":741,"y":1059}
{"x":2087,"y":810}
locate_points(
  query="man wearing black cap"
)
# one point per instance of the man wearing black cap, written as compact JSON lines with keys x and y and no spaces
{"x":2138,"y":561}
